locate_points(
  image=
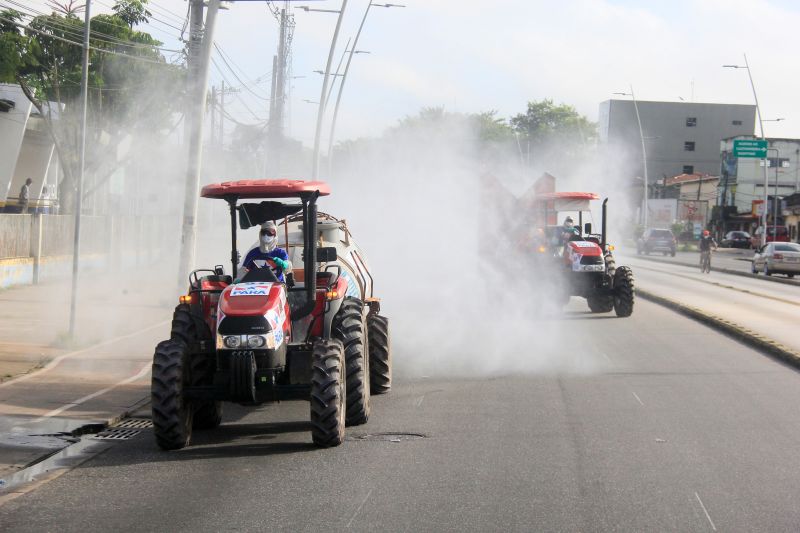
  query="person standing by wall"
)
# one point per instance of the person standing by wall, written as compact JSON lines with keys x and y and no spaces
{"x":24,"y":196}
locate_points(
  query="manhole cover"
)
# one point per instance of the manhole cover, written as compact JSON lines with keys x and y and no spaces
{"x":134,"y":423}
{"x":117,"y":434}
{"x":389,"y":437}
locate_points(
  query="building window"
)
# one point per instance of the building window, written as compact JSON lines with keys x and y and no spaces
{"x":688,"y":169}
{"x":782,"y":162}
{"x":688,"y":146}
{"x":737,"y":122}
{"x":691,"y":122}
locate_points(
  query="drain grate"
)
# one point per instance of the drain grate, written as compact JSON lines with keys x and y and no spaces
{"x":117,"y":434}
{"x":134,"y":423}
{"x":389,"y":437}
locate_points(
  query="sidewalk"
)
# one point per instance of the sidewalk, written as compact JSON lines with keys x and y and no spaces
{"x":48,"y":387}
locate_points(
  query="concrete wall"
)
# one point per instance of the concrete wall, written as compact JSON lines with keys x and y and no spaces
{"x":666,"y":125}
{"x":36,"y":248}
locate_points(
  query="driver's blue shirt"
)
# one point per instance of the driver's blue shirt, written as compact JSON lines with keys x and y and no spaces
{"x":257,"y":259}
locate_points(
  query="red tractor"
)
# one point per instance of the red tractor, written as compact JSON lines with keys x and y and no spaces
{"x":254,"y":340}
{"x":580,"y":263}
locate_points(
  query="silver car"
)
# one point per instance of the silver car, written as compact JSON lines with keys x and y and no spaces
{"x":777,"y":258}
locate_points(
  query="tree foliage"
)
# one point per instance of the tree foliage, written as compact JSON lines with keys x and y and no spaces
{"x":544,"y":122}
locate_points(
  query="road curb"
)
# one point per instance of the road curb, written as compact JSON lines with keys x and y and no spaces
{"x":723,"y":270}
{"x":15,"y":490}
{"x":732,"y":329}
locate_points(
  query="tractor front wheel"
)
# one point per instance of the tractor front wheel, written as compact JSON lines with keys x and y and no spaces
{"x":172,"y":413}
{"x":350,"y":327}
{"x":328,"y":391}
{"x":189,"y":330}
{"x":380,"y":355}
{"x":623,"y":291}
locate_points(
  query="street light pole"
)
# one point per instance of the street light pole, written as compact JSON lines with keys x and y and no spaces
{"x":761,"y":127}
{"x":322,"y":102}
{"x":644,"y":155}
{"x":76,"y":243}
{"x":344,"y":79}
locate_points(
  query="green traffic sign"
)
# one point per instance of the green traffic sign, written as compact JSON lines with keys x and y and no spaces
{"x":750,"y":148}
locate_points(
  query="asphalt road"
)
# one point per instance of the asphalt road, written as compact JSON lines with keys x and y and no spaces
{"x":656,"y":424}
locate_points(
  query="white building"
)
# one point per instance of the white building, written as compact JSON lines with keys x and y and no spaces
{"x":742,"y":180}
{"x":26,"y":150}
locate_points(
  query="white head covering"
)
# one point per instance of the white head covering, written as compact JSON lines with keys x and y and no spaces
{"x":267,"y":243}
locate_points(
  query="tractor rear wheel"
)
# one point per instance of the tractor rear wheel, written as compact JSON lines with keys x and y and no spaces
{"x":380,"y":355}
{"x":349,"y":326}
{"x":623,"y":291}
{"x":172,"y":413}
{"x":328,"y":391}
{"x":600,"y":304}
{"x":190,"y":330}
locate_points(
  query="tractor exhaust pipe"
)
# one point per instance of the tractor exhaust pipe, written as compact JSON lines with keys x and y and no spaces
{"x":603,"y":234}
{"x":309,"y":255}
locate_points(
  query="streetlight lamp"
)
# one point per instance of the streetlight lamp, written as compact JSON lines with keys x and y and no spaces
{"x":644,"y":154}
{"x":761,"y":127}
{"x":344,"y":77}
{"x":321,"y":110}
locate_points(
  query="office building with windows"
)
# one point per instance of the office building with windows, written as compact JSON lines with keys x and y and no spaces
{"x":680,"y":137}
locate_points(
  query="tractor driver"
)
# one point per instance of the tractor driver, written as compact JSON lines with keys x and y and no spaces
{"x":568,"y":230}
{"x":267,"y":249}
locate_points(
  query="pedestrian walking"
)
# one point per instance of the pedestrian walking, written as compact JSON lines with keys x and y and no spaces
{"x":24,"y":196}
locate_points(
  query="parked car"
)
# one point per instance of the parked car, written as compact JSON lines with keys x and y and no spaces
{"x":774,"y":234}
{"x":736,"y":239}
{"x":777,"y":258}
{"x":657,"y":240}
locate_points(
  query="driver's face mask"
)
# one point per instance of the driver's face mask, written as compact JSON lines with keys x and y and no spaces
{"x":268,"y":239}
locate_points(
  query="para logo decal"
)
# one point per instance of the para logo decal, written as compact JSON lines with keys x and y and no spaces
{"x":251,"y":289}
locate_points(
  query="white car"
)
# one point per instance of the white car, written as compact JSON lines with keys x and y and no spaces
{"x":777,"y":258}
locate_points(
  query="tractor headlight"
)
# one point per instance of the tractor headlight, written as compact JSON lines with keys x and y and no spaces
{"x":232,"y":341}
{"x":256,"y":341}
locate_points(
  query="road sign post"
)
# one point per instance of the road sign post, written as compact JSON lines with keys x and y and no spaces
{"x":754,"y":149}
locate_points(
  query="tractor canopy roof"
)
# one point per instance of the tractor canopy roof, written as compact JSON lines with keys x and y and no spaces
{"x":564,"y":201}
{"x":265,"y":189}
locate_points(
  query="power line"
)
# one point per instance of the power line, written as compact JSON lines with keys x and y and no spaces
{"x":236,"y":95}
{"x":56,"y":24}
{"x":243,"y":84}
{"x":75,"y":43}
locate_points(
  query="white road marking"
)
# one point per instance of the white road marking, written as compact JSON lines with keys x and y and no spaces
{"x":637,"y":398}
{"x":419,"y":401}
{"x":56,"y":412}
{"x":605,"y":355}
{"x":63,"y":356}
{"x":359,"y":508}
{"x":705,"y":511}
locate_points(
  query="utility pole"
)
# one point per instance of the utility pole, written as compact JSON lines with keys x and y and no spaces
{"x":192,"y":53}
{"x":198,"y":106}
{"x":211,"y":141}
{"x":76,"y":246}
{"x":277,"y":98}
{"x":222,"y":117}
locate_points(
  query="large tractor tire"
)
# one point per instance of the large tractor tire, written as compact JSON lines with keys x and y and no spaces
{"x":623,"y":291}
{"x":189,"y":330}
{"x":380,"y":355}
{"x":328,"y":391}
{"x":350,"y":327}
{"x":172,"y":413}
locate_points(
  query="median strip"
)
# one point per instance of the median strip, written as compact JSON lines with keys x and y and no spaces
{"x":734,"y":272}
{"x":742,"y":334}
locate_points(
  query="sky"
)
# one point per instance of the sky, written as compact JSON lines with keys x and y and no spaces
{"x":476,"y":55}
